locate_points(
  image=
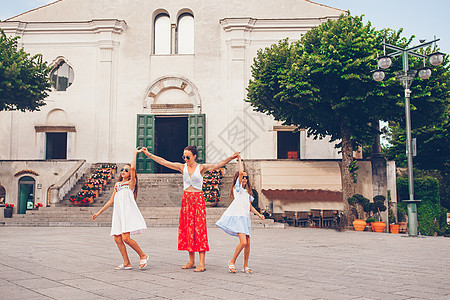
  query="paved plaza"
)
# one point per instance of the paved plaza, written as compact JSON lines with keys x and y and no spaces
{"x":292,"y":263}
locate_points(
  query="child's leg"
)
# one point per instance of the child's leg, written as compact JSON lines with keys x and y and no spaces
{"x":132,"y":243}
{"x":247,"y":252}
{"x":123,"y":250}
{"x":242,"y":244}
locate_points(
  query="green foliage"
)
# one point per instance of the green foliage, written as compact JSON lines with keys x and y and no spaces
{"x":430,"y":214}
{"x":323,"y":81}
{"x":353,"y":169}
{"x":377,"y":206}
{"x":24,"y":80}
{"x":359,"y":202}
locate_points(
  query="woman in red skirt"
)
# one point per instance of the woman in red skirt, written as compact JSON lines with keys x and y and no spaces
{"x":192,"y":234}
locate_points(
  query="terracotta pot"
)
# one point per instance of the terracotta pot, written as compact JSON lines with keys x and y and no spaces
{"x":394,"y":228}
{"x":378,"y":226}
{"x":359,"y":225}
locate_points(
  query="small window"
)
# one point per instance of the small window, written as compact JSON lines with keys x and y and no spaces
{"x":185,"y":34}
{"x":162,"y":33}
{"x":288,"y":144}
{"x":62,"y":76}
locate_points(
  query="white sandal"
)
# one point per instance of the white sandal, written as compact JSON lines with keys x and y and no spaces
{"x":231,"y":268}
{"x":143,"y":262}
{"x":122,"y":267}
{"x":247,"y":270}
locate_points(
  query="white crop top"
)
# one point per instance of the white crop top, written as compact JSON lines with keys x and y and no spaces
{"x":196,"y":180}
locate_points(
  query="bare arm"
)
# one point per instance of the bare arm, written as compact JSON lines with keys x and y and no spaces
{"x":240,"y":169}
{"x":253,"y":210}
{"x":132,"y":183}
{"x":171,"y":165}
{"x":209,"y":167}
{"x":106,"y":206}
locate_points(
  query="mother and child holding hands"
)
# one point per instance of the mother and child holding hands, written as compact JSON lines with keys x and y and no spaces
{"x":192,"y":232}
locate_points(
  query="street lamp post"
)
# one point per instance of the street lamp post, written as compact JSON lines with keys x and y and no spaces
{"x":406,"y":77}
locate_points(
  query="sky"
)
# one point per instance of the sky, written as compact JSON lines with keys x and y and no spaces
{"x":424,"y":19}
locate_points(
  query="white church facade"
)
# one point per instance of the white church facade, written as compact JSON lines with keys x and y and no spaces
{"x":160,"y":74}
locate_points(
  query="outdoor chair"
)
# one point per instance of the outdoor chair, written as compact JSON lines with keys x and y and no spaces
{"x":329,"y":218}
{"x":316,"y":217}
{"x":303,"y":218}
{"x":290,"y":217}
{"x":278,"y":217}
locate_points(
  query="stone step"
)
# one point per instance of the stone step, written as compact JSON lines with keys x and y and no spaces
{"x":82,"y":216}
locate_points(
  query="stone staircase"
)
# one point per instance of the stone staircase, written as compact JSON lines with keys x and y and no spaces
{"x":82,"y":217}
{"x":159,"y":199}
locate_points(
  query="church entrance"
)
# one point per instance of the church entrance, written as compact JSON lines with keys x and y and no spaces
{"x":167,"y":136}
{"x":170,"y":139}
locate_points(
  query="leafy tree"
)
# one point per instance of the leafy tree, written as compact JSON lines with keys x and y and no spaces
{"x":24,"y":80}
{"x":323,"y":83}
{"x":430,"y":123}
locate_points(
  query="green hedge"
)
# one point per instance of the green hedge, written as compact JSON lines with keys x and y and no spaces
{"x":430,"y":214}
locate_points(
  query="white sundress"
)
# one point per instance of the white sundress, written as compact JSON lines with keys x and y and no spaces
{"x":126,"y":214}
{"x":236,"y":219}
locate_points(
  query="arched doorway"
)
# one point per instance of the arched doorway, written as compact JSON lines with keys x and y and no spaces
{"x":26,"y":194}
{"x":2,"y":196}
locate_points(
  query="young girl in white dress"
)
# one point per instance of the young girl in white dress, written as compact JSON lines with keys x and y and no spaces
{"x":126,"y":218}
{"x":236,"y":219}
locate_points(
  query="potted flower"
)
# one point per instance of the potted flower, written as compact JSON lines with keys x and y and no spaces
{"x":37,"y":205}
{"x":8,"y":211}
{"x":359,"y":205}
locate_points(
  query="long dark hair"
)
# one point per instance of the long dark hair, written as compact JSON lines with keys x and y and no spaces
{"x":248,"y":187}
{"x":135,"y":192}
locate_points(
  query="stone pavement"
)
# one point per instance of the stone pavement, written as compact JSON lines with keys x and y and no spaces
{"x":292,"y":263}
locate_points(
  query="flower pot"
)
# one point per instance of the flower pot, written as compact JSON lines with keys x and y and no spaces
{"x":7,"y":213}
{"x":211,"y":204}
{"x":359,"y":225}
{"x":394,"y":228}
{"x":378,"y":226}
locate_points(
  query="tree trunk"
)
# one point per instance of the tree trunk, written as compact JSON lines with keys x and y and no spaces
{"x":346,"y":176}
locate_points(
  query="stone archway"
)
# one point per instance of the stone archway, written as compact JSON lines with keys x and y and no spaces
{"x":172,"y":95}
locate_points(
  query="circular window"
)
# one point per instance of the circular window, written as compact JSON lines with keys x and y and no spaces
{"x":62,"y":76}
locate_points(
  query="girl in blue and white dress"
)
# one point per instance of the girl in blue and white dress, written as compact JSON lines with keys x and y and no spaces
{"x":126,"y":218}
{"x":236,"y":219}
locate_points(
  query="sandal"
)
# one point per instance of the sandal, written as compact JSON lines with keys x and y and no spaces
{"x":231,"y":268}
{"x":122,"y":267}
{"x":200,"y":268}
{"x":143,"y":263}
{"x":247,"y":270}
{"x":188,"y":266}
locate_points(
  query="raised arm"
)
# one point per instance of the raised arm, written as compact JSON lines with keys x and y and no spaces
{"x":209,"y":167}
{"x":240,"y":169}
{"x":132,"y":183}
{"x":162,"y":161}
{"x":106,"y":206}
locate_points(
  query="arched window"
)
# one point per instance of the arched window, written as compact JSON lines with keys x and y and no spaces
{"x":62,"y":76}
{"x":185,"y":34}
{"x":162,"y":34}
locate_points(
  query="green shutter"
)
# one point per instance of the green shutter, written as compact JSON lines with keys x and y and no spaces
{"x":145,"y":137}
{"x":196,"y":134}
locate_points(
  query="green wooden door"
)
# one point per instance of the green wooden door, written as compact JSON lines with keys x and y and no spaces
{"x":196,"y":134}
{"x":145,"y":138}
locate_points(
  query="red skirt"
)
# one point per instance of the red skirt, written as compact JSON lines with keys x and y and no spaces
{"x":192,"y":233}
